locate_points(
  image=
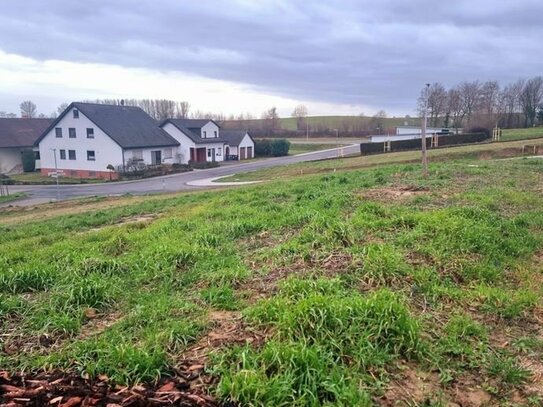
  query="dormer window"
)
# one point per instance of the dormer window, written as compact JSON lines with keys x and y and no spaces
{"x":216,"y":134}
{"x":76,"y":114}
{"x":205,"y":134}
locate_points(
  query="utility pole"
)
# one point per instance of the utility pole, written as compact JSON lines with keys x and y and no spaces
{"x":423,"y":134}
{"x":56,"y":172}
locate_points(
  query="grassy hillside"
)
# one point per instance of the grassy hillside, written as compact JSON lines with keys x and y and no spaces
{"x":368,"y":287}
{"x":521,"y":134}
{"x":329,"y":122}
{"x":289,"y":123}
{"x":471,"y":152}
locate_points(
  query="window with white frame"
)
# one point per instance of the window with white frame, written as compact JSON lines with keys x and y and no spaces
{"x":58,"y":132}
{"x":76,"y":114}
{"x":209,"y":152}
{"x":90,"y":132}
{"x":137,"y":154}
{"x":167,"y":153}
{"x":91,"y":155}
{"x":216,"y":134}
{"x":62,"y":154}
{"x":71,"y":155}
{"x":71,"y":132}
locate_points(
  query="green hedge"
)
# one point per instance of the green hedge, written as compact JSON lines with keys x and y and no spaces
{"x":271,"y":148}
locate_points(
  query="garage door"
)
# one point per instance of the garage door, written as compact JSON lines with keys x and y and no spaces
{"x":249,"y":152}
{"x":242,"y":153}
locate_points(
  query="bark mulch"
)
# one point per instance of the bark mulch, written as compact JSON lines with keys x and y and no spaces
{"x":63,"y":389}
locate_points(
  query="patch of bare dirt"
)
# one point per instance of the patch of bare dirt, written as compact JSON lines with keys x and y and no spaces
{"x":394,"y":193}
{"x":472,"y":397}
{"x":412,"y":388}
{"x":226,"y":328}
{"x":535,"y":367}
{"x":18,"y":343}
{"x":264,"y":285}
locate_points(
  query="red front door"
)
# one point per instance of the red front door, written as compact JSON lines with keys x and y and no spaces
{"x":201,"y":155}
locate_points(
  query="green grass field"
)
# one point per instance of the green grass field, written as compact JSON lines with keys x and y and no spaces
{"x":332,"y":122}
{"x":469,"y":152}
{"x":289,"y":123}
{"x":520,"y":134}
{"x":356,"y":288}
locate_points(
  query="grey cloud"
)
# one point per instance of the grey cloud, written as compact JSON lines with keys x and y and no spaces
{"x":353,"y":52}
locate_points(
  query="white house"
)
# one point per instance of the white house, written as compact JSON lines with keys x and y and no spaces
{"x":17,"y":135}
{"x":240,"y":144}
{"x":199,"y":139}
{"x":86,"y":138}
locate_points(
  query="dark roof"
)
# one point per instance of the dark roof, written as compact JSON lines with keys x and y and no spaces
{"x":234,"y":137}
{"x":128,"y":126}
{"x":21,"y":132}
{"x":193,"y":132}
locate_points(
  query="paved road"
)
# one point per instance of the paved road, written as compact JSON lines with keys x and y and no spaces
{"x":169,"y":183}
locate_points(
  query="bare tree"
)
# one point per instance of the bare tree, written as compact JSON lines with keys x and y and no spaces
{"x":436,"y":100}
{"x":183,"y":110}
{"x":28,"y":109}
{"x":455,"y":107}
{"x":531,"y":98}
{"x":300,"y":113}
{"x":489,"y":104}
{"x":62,"y":107}
{"x":5,"y":115}
{"x":377,"y":122}
{"x":270,"y":121}
{"x":470,"y":93}
{"x":510,"y":103}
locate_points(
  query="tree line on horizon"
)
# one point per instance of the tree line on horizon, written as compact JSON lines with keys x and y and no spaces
{"x":468,"y":104}
{"x":484,"y":104}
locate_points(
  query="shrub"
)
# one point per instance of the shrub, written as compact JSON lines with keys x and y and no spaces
{"x":280,"y":147}
{"x":181,"y":167}
{"x":269,"y":148}
{"x":29,"y":160}
{"x":479,"y":129}
{"x":262,"y":148}
{"x":203,"y":165}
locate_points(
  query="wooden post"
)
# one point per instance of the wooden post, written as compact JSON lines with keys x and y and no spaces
{"x":423,"y":135}
{"x":387,"y":146}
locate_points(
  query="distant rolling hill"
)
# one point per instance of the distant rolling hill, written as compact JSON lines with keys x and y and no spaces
{"x":325,"y":124}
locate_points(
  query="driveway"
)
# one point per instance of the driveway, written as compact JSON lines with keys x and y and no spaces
{"x":169,"y":183}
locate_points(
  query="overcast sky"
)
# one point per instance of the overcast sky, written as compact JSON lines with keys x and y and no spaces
{"x":337,"y":57}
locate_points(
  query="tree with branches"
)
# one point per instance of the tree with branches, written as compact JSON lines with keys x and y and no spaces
{"x":28,"y":109}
